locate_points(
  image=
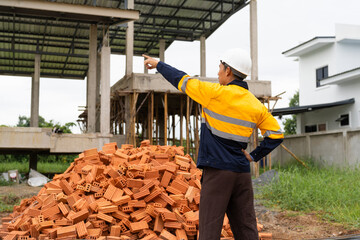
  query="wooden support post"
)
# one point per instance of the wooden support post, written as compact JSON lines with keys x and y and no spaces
{"x":269,"y":162}
{"x":165,"y":118}
{"x":133,"y":118}
{"x":157,"y":122}
{"x":187,"y":124}
{"x":181,"y":120}
{"x":255,"y":146}
{"x":148,"y":120}
{"x":196,"y":131}
{"x":173,"y":127}
{"x":151,"y":117}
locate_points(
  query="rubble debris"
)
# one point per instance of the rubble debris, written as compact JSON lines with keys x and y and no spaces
{"x":116,"y":193}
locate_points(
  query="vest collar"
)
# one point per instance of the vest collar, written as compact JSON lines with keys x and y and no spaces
{"x":239,"y":83}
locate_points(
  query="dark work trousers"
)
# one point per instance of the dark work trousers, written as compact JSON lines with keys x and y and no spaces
{"x":226,"y":191}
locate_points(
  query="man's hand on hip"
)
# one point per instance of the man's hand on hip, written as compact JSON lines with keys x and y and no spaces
{"x":149,"y":62}
{"x":247,"y":155}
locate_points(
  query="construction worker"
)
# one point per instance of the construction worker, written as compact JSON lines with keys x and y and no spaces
{"x":230,"y":113}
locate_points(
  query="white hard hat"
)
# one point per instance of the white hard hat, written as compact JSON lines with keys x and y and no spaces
{"x":239,"y":60}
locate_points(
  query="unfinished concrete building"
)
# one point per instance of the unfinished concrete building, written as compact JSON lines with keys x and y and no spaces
{"x":73,"y":39}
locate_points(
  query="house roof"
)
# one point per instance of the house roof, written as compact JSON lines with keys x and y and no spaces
{"x":308,"y":108}
{"x":342,"y":77}
{"x":62,"y":37}
{"x":308,"y":46}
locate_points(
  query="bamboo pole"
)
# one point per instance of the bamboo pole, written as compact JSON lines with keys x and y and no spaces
{"x":165,"y":117}
{"x":187,"y":124}
{"x":292,"y":154}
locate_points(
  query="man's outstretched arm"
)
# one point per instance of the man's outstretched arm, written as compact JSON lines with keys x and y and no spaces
{"x":170,"y":73}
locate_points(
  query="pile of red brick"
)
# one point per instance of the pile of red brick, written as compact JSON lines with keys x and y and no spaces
{"x":149,"y":192}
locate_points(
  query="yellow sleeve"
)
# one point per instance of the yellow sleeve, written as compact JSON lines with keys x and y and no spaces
{"x":268,"y":126}
{"x":200,"y":91}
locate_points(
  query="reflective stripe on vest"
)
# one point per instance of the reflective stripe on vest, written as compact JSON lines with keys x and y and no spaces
{"x":183,"y":86}
{"x":224,"y":134}
{"x":268,"y":133}
{"x":231,"y":120}
{"x":227,"y":135}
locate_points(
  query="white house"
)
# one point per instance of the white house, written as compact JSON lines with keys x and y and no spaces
{"x":329,"y":75}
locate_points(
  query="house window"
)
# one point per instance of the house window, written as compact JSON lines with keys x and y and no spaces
{"x":321,"y":73}
{"x":310,"y":128}
{"x":344,"y":120}
{"x":322,"y":127}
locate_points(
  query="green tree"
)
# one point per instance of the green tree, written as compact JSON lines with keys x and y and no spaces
{"x":25,"y":122}
{"x":290,"y":123}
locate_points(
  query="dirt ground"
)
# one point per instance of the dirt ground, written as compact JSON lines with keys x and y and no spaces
{"x":282,"y":224}
{"x":292,"y":225}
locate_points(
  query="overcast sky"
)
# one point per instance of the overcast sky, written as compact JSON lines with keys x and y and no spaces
{"x":282,"y":24}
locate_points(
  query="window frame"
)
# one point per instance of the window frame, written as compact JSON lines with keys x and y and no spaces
{"x":323,"y":75}
{"x":349,"y":117}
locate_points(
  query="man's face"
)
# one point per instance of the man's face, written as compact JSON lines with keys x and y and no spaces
{"x":222,"y":74}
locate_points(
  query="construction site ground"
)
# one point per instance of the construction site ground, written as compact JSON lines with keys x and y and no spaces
{"x":282,"y":224}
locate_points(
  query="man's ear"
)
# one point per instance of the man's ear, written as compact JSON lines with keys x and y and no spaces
{"x":228,"y":71}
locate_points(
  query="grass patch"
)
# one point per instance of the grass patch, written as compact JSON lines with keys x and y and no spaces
{"x":8,"y":202}
{"x":3,"y":182}
{"x":43,"y":167}
{"x":47,"y":167}
{"x":331,"y":192}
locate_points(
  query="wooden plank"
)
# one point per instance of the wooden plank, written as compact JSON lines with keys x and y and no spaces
{"x":181,"y":120}
{"x":173,"y":128}
{"x":187,"y":124}
{"x":196,"y":130}
{"x":151,"y":117}
{"x":165,"y":117}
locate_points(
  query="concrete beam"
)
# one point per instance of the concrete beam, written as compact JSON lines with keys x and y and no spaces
{"x":70,"y":11}
{"x":35,"y":93}
{"x":105,"y":89}
{"x":254,"y":40}
{"x":129,"y":45}
{"x":162,"y":44}
{"x":91,"y":80}
{"x":32,"y":140}
{"x":202,"y":57}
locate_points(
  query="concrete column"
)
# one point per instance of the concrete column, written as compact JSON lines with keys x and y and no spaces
{"x":98,"y":77}
{"x":105,"y":89}
{"x":300,"y":123}
{"x":162,"y":50}
{"x":202,"y":57}
{"x":91,"y":80}
{"x":254,"y":70}
{"x":35,"y":93}
{"x":145,"y":69}
{"x":254,"y":40}
{"x":129,"y":45}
